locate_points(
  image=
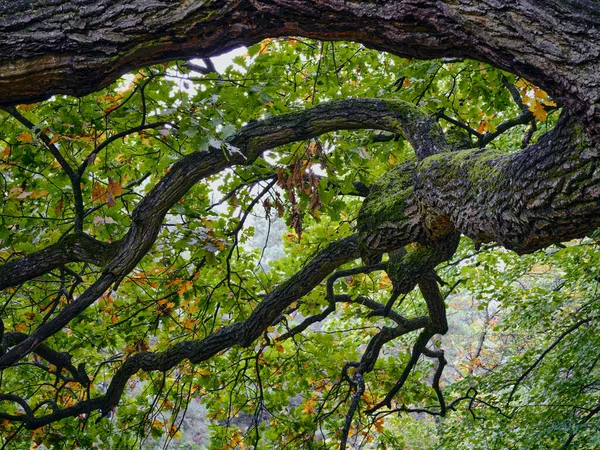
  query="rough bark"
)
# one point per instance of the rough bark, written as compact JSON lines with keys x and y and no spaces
{"x":546,"y":193}
{"x":76,"y":47}
{"x":76,"y":247}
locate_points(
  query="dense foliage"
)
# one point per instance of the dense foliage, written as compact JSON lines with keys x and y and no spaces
{"x":522,"y":349}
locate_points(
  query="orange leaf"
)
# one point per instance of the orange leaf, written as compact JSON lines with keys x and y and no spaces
{"x":185,"y":286}
{"x":98,"y":192}
{"x":114,"y":188}
{"x":483,"y":127}
{"x":379,"y":425}
{"x":59,"y":207}
{"x":25,"y":137}
{"x":263,"y":46}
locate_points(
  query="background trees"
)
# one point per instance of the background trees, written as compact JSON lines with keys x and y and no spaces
{"x":144,"y":267}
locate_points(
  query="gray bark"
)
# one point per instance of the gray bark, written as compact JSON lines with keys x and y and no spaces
{"x":76,"y":47}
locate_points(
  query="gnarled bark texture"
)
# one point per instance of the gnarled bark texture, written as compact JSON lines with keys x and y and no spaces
{"x":76,"y":47}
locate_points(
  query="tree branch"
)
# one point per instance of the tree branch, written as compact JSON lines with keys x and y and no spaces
{"x":241,"y":333}
{"x":75,"y":247}
{"x":78,"y":61}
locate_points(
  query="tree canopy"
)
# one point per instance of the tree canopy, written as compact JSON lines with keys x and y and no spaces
{"x":374,"y":229}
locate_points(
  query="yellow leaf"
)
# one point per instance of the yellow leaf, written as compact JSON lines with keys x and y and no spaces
{"x":6,"y":152}
{"x":392,"y":160}
{"x":538,"y":110}
{"x":207,"y":223}
{"x":114,"y":318}
{"x":39,"y":194}
{"x":145,"y":139}
{"x":522,"y":84}
{"x":21,"y":328}
{"x":309,"y":406}
{"x":203,"y":372}
{"x":385,"y":282}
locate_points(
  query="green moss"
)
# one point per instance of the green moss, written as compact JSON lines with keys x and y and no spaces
{"x":479,"y":166}
{"x":387,"y":200}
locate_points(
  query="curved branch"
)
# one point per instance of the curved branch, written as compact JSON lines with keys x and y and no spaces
{"x":76,"y":247}
{"x":249,"y":142}
{"x":59,"y":359}
{"x":241,"y":333}
{"x":81,"y":47}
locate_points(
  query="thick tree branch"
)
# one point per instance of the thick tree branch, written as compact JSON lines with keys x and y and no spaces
{"x":59,"y":359}
{"x":241,"y":333}
{"x":526,"y":200}
{"x":78,"y":48}
{"x":75,"y":247}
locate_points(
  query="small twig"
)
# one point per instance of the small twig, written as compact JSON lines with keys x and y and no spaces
{"x":545,"y":352}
